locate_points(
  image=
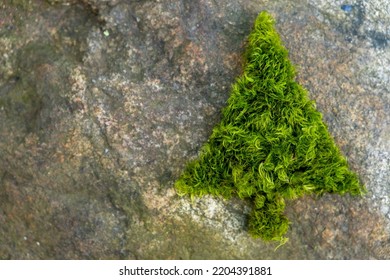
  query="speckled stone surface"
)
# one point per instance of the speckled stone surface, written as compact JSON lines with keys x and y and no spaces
{"x":102,"y":104}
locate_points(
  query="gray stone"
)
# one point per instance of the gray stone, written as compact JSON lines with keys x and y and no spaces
{"x":102,"y":104}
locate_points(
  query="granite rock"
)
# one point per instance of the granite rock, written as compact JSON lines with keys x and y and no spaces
{"x":102,"y":104}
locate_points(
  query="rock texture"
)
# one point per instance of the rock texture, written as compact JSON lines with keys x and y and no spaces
{"x":102,"y":104}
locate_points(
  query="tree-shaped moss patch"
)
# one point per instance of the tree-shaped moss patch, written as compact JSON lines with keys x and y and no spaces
{"x":271,"y":144}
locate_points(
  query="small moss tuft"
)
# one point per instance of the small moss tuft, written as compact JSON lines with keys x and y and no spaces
{"x":271,"y":143}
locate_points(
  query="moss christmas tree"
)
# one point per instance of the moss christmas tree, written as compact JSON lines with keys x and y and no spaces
{"x":271,"y":144}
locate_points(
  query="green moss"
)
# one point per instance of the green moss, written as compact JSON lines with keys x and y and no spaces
{"x":271,"y":144}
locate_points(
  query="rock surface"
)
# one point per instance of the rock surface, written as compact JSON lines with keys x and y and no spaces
{"x":102,"y":104}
